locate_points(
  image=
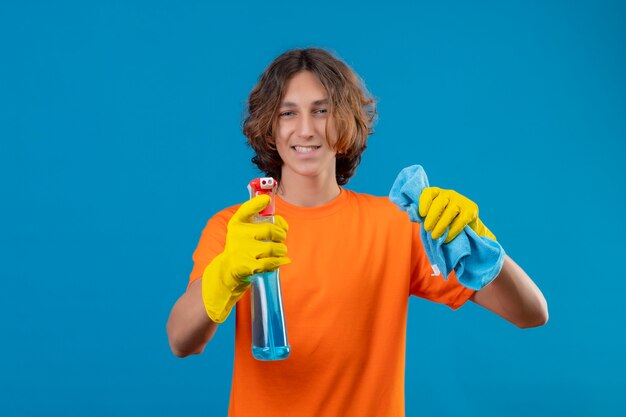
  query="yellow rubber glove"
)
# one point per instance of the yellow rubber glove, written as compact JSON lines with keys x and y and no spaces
{"x":447,"y":208}
{"x":250,"y":249}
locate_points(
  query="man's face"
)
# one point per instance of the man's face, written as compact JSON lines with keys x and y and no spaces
{"x":301,"y":128}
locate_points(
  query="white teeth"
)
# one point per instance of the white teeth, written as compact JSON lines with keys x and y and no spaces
{"x":305,"y":148}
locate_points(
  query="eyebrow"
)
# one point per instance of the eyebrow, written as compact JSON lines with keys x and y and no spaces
{"x":315,"y":103}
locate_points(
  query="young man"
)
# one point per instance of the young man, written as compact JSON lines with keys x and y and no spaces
{"x":354,"y":259}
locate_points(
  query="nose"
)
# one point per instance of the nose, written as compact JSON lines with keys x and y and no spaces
{"x":305,"y":126}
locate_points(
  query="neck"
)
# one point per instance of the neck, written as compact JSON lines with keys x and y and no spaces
{"x":308,"y":191}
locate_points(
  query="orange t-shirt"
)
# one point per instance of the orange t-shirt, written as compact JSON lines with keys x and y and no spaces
{"x":355,"y":261}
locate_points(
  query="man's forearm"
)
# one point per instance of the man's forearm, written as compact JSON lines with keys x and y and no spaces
{"x":189,"y":328}
{"x":514,"y":297}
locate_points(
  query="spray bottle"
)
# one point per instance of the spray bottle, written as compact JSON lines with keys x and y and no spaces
{"x":269,"y":334}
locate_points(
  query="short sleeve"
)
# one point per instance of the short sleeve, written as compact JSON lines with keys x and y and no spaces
{"x":211,"y":243}
{"x":425,"y":283}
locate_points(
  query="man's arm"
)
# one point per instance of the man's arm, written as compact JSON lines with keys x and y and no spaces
{"x":514,"y":297}
{"x":189,"y":328}
{"x":248,"y":249}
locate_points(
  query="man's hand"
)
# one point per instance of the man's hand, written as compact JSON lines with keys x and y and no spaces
{"x":254,"y":248}
{"x":250,"y":249}
{"x":447,"y":208}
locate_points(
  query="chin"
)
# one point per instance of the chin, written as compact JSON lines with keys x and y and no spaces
{"x":310,"y":172}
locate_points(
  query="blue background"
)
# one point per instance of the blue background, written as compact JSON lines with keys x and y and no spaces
{"x":120,"y":136}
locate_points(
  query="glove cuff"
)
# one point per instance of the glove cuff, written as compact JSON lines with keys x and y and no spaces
{"x":482,"y":230}
{"x":220,"y":291}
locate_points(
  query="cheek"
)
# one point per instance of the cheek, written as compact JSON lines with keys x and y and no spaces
{"x":283,"y":132}
{"x":282,"y":145}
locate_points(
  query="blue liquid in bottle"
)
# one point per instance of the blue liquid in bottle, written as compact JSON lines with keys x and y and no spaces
{"x":269,"y":334}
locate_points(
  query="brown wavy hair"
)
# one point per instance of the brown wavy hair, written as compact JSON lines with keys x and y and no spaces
{"x":351,"y":105}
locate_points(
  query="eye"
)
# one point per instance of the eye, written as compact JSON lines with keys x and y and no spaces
{"x":321,"y":111}
{"x":285,"y":114}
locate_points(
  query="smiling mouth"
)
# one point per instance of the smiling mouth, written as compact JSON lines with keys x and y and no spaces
{"x":305,"y":149}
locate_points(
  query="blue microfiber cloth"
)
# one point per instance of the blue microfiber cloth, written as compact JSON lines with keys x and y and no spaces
{"x":477,"y":260}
